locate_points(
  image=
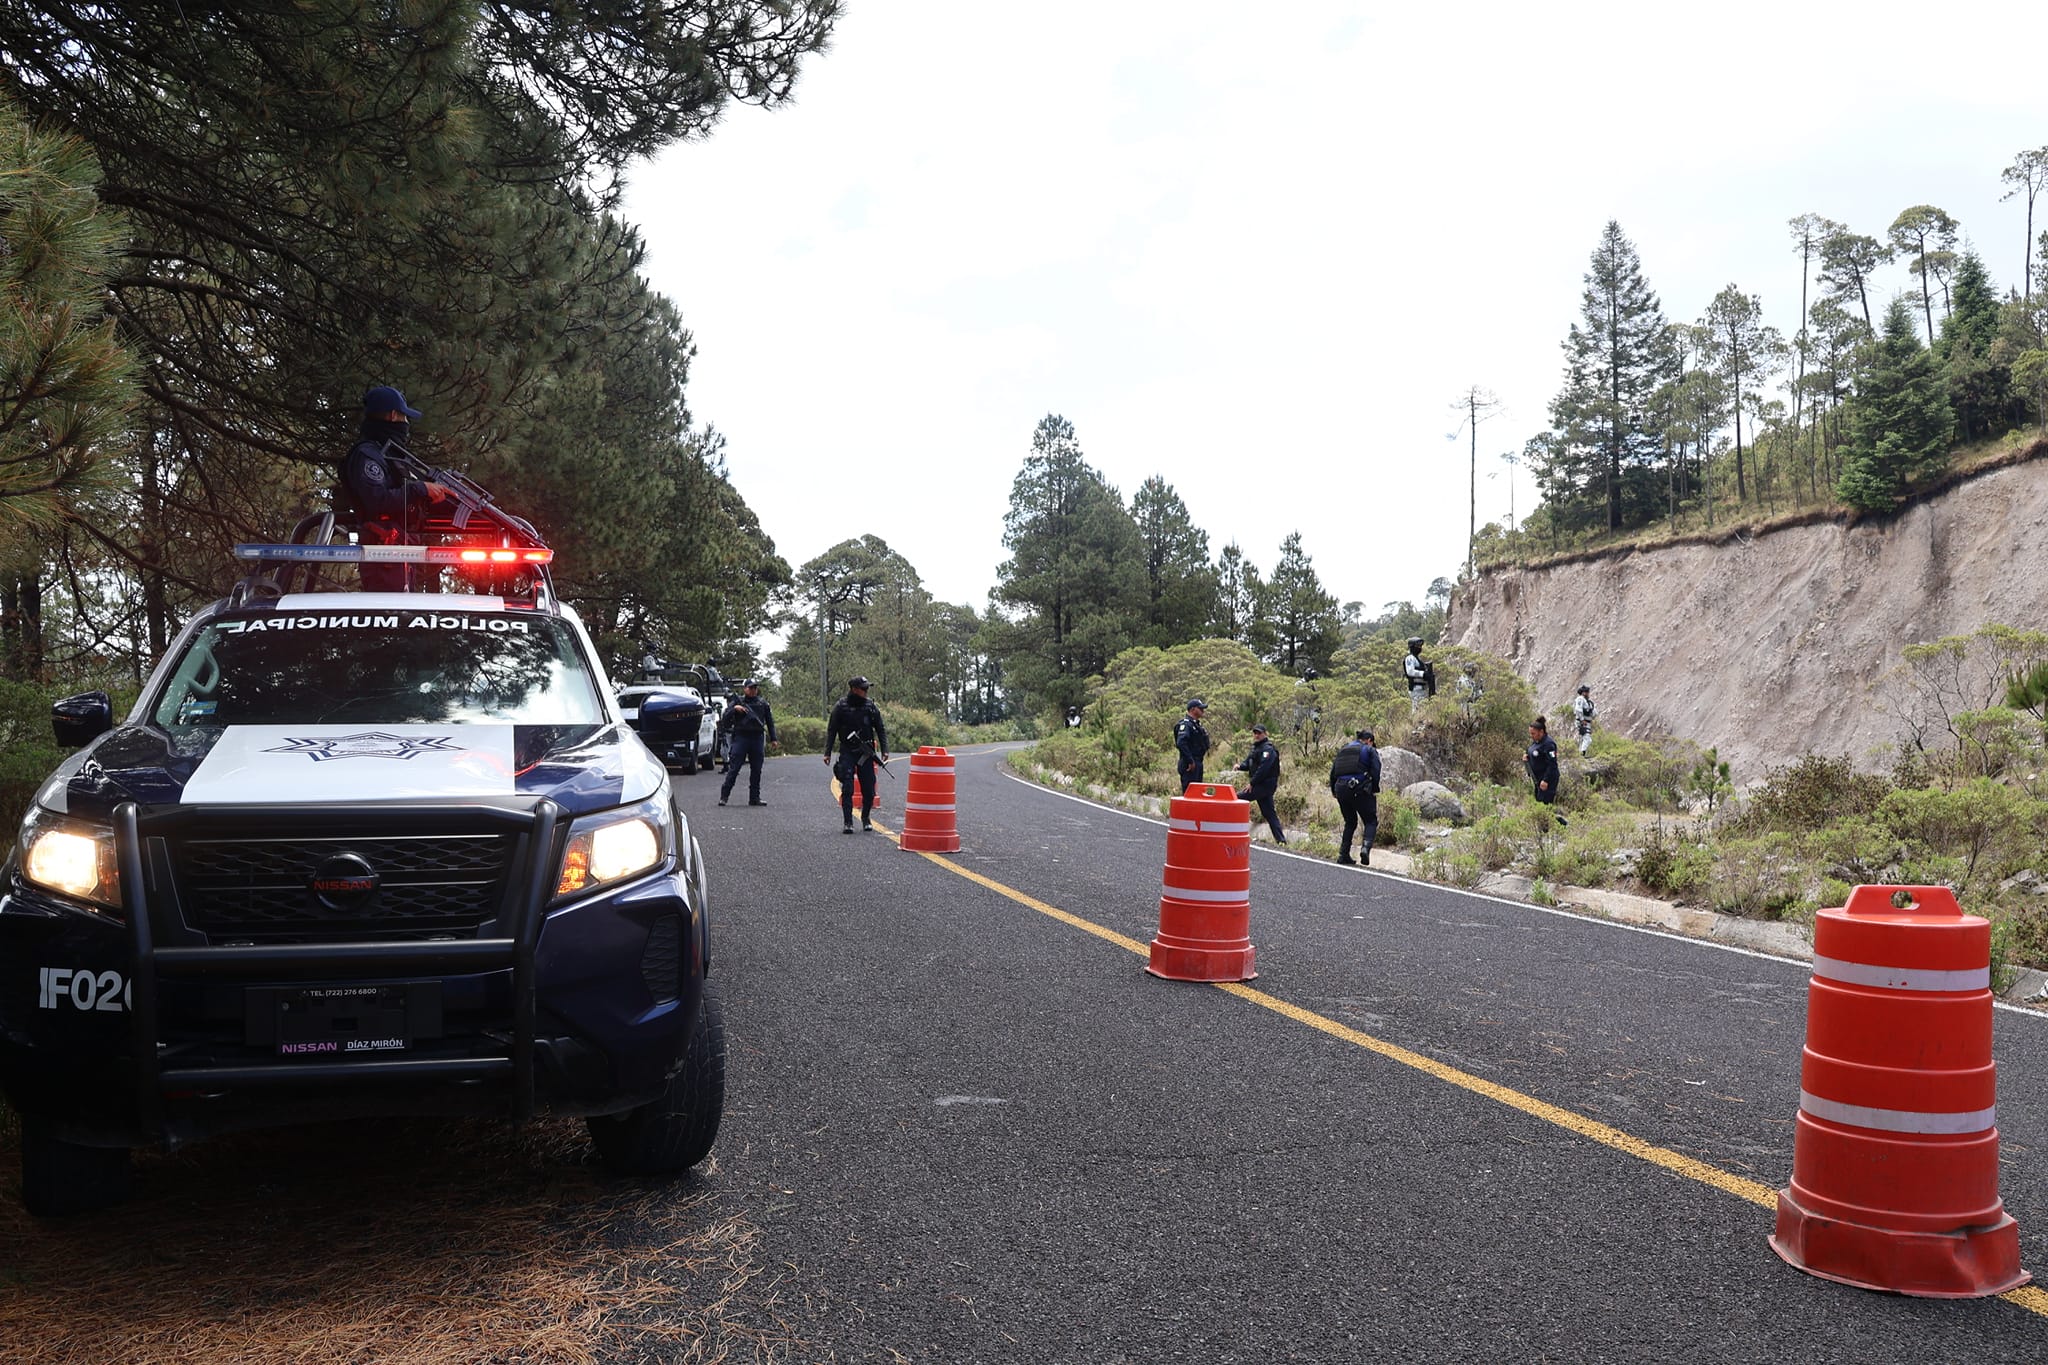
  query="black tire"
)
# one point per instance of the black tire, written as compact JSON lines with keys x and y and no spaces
{"x":60,"y":1178}
{"x":690,"y":766}
{"x":675,"y":1132}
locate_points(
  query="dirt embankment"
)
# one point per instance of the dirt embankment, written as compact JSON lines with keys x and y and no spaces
{"x":1767,"y":647}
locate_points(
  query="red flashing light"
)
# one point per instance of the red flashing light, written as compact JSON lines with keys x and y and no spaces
{"x":537,"y":556}
{"x":474,"y":556}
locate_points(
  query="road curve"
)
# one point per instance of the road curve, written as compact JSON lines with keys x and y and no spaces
{"x":1438,"y":1127}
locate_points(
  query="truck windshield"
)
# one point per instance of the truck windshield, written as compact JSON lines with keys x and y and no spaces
{"x":385,"y":668}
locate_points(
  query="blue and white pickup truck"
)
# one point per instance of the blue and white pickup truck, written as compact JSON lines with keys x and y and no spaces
{"x":355,"y":854}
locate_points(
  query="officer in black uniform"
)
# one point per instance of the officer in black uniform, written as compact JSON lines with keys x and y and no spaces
{"x":1263,"y":763}
{"x":1541,"y":760}
{"x":382,"y":496}
{"x":1355,"y":782}
{"x":1192,"y":741}
{"x":856,"y":727}
{"x":750,"y":725}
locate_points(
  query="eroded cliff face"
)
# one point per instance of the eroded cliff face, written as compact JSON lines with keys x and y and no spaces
{"x":1767,"y":647}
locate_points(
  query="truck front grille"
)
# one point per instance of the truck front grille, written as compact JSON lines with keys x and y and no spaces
{"x":425,"y":884}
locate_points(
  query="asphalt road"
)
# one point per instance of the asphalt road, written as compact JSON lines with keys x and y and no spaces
{"x":971,"y":1129}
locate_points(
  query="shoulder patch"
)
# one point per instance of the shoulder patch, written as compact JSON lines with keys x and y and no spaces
{"x":373,"y":470}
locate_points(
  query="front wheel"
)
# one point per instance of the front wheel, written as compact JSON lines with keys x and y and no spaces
{"x":674,"y":1131}
{"x":60,"y":1178}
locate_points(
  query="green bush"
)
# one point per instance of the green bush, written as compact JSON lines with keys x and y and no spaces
{"x":1984,"y":828}
{"x":1671,"y":865}
{"x":1400,"y":821}
{"x":1761,"y":878}
{"x":28,"y":751}
{"x":1647,"y":774}
{"x":1810,"y":794}
{"x":801,"y":734}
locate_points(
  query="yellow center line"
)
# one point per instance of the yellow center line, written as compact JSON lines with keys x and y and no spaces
{"x":2028,"y":1297}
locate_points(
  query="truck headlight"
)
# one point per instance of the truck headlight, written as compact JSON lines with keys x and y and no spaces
{"x":71,"y":857}
{"x":615,"y":845}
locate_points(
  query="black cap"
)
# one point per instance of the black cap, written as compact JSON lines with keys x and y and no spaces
{"x":384,"y":398}
{"x":1193,"y":702}
{"x":751,"y":682}
{"x":1415,"y":639}
{"x":858,"y":682}
{"x":1585,"y":687}
{"x":1258,"y":729}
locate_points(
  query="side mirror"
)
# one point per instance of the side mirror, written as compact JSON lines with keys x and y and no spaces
{"x":82,"y":719}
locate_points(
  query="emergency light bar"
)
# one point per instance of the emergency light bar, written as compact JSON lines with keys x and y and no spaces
{"x":391,"y":554}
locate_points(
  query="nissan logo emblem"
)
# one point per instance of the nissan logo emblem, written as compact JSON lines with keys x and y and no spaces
{"x":343,"y":883}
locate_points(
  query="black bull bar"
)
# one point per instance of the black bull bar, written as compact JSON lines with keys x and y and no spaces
{"x":163,"y":947}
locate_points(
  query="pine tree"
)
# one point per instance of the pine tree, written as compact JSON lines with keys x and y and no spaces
{"x":1979,"y":380}
{"x":1738,"y":345}
{"x":1307,"y":626}
{"x":1926,"y":236}
{"x":1075,"y":578}
{"x":1847,"y":262}
{"x":1615,"y":359}
{"x":1180,"y":585}
{"x":1242,"y":602}
{"x":1901,"y":421}
{"x":66,"y":383}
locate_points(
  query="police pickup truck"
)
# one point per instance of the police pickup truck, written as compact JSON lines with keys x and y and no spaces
{"x":355,"y":854}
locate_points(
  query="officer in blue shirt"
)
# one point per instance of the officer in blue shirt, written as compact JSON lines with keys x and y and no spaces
{"x":1191,"y":741}
{"x":1263,"y":763}
{"x":1355,"y":782}
{"x":382,"y":497}
{"x":751,"y":724}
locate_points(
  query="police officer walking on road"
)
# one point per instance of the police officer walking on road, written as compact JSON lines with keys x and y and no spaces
{"x":384,"y":499}
{"x":1420,"y":673}
{"x":1541,"y":760}
{"x":856,"y":727}
{"x":751,"y":726}
{"x":1355,"y":782}
{"x":1193,"y":742}
{"x":1263,"y":763}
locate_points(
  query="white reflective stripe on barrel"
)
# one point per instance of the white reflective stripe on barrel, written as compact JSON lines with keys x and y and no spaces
{"x":1190,"y":826}
{"x":1903,"y":978}
{"x":931,"y":767}
{"x":1185,"y":893}
{"x":1226,"y":827}
{"x":1898,"y":1120}
{"x":912,"y":805}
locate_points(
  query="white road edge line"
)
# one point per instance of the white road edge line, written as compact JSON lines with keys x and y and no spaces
{"x":1483,"y":896}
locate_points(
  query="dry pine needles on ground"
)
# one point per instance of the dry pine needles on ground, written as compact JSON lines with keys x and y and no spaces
{"x":413,"y":1243}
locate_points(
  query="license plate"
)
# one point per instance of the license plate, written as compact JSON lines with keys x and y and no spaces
{"x":343,"y":1021}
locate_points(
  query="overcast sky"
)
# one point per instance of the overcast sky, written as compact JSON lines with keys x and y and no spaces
{"x":1263,"y":249}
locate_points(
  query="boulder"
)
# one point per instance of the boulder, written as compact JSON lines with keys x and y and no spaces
{"x":1401,"y":769}
{"x":1435,"y":801}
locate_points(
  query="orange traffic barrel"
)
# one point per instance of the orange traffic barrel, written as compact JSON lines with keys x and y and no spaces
{"x":930,"y":821}
{"x":1205,"y":908}
{"x":1895,"y":1149}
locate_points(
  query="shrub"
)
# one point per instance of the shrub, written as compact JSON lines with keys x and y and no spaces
{"x":1809,"y":794}
{"x":1983,"y":826}
{"x":801,"y":734}
{"x":1760,"y":878}
{"x":1670,"y":865}
{"x":1647,"y":774}
{"x":1400,"y":821}
{"x":28,"y":751}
